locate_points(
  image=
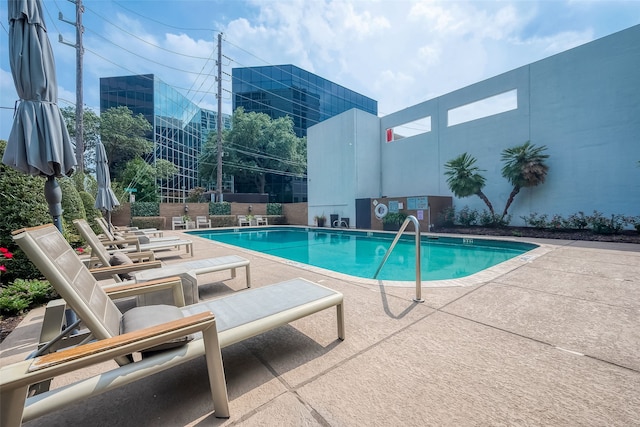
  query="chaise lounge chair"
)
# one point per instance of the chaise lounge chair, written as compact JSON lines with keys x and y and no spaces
{"x":152,"y":270}
{"x":134,"y":244}
{"x":133,"y":230}
{"x":238,"y":317}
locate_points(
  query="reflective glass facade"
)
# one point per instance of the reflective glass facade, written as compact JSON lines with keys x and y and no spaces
{"x":286,"y":90}
{"x":180,"y":128}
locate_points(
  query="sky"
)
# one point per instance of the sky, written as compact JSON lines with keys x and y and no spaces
{"x":398,"y":52}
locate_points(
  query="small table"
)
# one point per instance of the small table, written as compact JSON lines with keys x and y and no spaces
{"x":191,"y":225}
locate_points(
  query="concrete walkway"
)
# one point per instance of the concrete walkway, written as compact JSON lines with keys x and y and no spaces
{"x":552,"y":340}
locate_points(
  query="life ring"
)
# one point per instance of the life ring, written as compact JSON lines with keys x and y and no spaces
{"x":381,"y":210}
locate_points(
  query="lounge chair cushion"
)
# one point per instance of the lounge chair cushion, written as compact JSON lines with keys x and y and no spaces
{"x":118,"y":258}
{"x":145,"y":317}
{"x":143,"y":239}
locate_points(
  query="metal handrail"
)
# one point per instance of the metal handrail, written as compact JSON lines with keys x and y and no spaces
{"x":416,"y":226}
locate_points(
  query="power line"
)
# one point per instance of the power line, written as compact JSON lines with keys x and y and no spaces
{"x":143,"y":40}
{"x":162,"y":23}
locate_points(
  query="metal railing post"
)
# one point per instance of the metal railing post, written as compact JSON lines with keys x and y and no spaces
{"x":416,"y":226}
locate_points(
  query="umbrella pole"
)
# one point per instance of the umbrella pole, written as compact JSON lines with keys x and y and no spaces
{"x":53,"y":195}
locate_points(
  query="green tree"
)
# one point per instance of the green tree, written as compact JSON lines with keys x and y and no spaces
{"x":524,"y":166}
{"x":195,"y":194}
{"x":90,"y":131}
{"x":255,"y":146}
{"x":123,"y":136}
{"x":142,"y":176}
{"x":464,"y":178}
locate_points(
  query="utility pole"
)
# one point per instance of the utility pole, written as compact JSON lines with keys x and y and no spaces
{"x":219,"y":121}
{"x":79,"y":97}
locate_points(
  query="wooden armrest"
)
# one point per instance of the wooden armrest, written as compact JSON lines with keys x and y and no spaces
{"x":174,"y":283}
{"x":141,"y":339}
{"x":102,"y":273}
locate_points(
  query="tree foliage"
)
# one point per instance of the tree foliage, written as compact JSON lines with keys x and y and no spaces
{"x":524,"y":166}
{"x":142,"y":176}
{"x":464,"y":178}
{"x":256,"y":145}
{"x":90,"y":131}
{"x":123,"y":137}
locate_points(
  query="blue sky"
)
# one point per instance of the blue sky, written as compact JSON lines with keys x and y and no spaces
{"x":397,"y":52}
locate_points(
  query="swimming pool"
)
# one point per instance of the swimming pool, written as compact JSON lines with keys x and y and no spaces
{"x":359,"y":253}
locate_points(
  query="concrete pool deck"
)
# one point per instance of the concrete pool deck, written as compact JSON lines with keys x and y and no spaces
{"x":553,"y":340}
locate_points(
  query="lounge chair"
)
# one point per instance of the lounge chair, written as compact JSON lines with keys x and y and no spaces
{"x":238,"y":317}
{"x":243,"y":220}
{"x":135,"y":244}
{"x":261,"y":220}
{"x":203,"y":221}
{"x":178,"y":222}
{"x":152,"y":269}
{"x":146,"y":236}
{"x":104,"y":226}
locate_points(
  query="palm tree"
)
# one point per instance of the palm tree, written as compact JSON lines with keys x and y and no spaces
{"x":524,"y":167}
{"x":464,"y":178}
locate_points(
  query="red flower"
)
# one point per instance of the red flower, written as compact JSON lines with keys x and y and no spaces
{"x":4,"y":250}
{"x":3,"y":268}
{"x":80,"y":250}
{"x":8,"y":255}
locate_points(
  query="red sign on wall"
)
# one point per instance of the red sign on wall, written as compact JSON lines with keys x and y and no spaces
{"x":390,"y":135}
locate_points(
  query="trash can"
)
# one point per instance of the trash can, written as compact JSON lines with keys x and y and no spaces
{"x":334,"y":220}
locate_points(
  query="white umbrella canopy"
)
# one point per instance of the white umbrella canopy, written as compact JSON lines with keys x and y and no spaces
{"x":39,"y":143}
{"x":105,"y":199}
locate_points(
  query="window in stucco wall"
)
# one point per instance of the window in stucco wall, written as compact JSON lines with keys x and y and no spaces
{"x":485,"y":107}
{"x":406,"y":130}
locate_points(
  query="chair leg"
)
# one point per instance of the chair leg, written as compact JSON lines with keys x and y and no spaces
{"x":12,"y":406}
{"x":216,"y":372}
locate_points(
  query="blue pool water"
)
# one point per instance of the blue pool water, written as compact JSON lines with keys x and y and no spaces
{"x":359,"y":253}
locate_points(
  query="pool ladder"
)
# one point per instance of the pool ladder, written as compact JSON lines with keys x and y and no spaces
{"x":416,"y":226}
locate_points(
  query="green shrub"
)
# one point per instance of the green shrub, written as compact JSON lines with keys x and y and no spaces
{"x":577,"y":221}
{"x":394,"y":218}
{"x":72,"y":207}
{"x":274,"y":208}
{"x":600,"y":224}
{"x":467,"y":217}
{"x":448,"y":216}
{"x":219,"y":208}
{"x":145,"y":209}
{"x":488,"y":220}
{"x":224,"y":221}
{"x":533,"y":220}
{"x":22,"y":294}
{"x":92,"y":212}
{"x":158,"y":222}
{"x":23,"y":205}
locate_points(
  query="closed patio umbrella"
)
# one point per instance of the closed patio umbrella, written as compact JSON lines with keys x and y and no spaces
{"x":39,"y":143}
{"x":106,"y":199}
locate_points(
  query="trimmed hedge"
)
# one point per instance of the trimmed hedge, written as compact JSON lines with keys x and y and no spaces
{"x":158,"y":222}
{"x":219,"y":208}
{"x":145,"y":209}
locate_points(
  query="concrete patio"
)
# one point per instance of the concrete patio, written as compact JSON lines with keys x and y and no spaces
{"x":553,"y":339}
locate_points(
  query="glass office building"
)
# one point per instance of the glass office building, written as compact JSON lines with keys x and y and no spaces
{"x":286,"y":90}
{"x":180,"y":128}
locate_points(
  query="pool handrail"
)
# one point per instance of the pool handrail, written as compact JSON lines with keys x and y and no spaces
{"x":416,"y":226}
